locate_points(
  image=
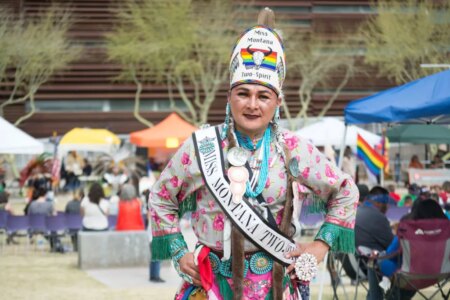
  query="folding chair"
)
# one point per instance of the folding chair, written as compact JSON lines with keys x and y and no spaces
{"x":37,"y":227}
{"x":343,"y":265}
{"x":425,"y":246}
{"x":56,"y":229}
{"x":425,"y":258}
{"x":74,"y":223}
{"x":3,"y":219}
{"x":18,"y":225}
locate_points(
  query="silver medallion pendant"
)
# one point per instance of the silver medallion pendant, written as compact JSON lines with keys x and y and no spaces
{"x":293,"y":167}
{"x":237,"y":156}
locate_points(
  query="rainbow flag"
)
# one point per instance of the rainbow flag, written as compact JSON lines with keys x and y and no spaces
{"x":374,"y":161}
{"x":269,"y":62}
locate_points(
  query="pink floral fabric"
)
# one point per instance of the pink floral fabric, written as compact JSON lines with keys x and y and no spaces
{"x":182,"y":177}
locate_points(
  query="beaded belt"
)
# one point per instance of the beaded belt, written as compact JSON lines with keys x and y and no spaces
{"x":258,"y":262}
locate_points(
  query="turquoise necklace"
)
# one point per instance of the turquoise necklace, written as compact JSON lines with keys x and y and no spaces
{"x":245,"y":142}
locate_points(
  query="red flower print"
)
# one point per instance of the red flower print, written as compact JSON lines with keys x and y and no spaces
{"x":267,"y":183}
{"x":164,"y":193}
{"x":317,"y":158}
{"x":174,"y":181}
{"x":305,"y":173}
{"x":185,"y":159}
{"x":211,"y":204}
{"x":279,"y":216}
{"x":270,"y":199}
{"x":329,"y":172}
{"x":318,"y":176}
{"x":291,"y":141}
{"x":219,"y":222}
{"x":171,"y":217}
{"x":310,"y":148}
{"x":169,"y":164}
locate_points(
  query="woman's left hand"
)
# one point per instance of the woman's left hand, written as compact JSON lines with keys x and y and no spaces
{"x":317,"y":248}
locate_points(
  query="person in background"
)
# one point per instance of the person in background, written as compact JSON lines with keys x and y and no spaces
{"x":372,"y":230}
{"x":4,"y":202}
{"x":154,"y":268}
{"x":413,"y":193}
{"x":363,"y":192}
{"x":422,"y":209}
{"x":415,"y":163}
{"x":87,"y":168}
{"x":445,"y":192}
{"x":40,"y":206}
{"x":348,"y":162}
{"x":393,"y":194}
{"x":74,"y":205}
{"x":397,"y":168}
{"x":73,"y":166}
{"x":437,"y":162}
{"x":408,"y":201}
{"x":130,"y":216}
{"x":94,"y":209}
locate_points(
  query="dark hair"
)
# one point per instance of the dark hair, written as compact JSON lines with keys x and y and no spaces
{"x":39,"y":192}
{"x":378,"y":190}
{"x":363,"y":191}
{"x":96,"y":193}
{"x":426,"y":209}
{"x":3,"y":197}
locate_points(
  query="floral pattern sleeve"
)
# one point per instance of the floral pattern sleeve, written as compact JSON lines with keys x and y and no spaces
{"x":169,"y":198}
{"x":334,"y":192}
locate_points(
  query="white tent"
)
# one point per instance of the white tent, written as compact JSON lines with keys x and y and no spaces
{"x":16,"y":141}
{"x":330,"y":131}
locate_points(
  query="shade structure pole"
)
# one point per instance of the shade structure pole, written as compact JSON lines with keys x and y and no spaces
{"x":341,"y":151}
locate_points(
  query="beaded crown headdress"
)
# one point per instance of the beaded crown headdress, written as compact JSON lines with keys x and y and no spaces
{"x":258,"y":56}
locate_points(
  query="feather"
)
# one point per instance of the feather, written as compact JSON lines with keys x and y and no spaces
{"x":266,"y":18}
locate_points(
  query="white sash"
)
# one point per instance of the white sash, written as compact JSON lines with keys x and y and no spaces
{"x":243,"y":215}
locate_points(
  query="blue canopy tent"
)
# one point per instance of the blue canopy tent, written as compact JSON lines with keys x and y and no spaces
{"x":423,"y":101}
{"x":426,"y":100}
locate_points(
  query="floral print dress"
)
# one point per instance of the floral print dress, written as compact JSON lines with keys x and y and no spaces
{"x":332,"y":191}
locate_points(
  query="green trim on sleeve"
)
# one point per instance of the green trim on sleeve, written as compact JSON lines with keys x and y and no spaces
{"x":163,"y":247}
{"x":340,"y":239}
{"x":316,"y":205}
{"x":187,"y":205}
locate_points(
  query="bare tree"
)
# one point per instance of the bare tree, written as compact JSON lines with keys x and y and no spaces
{"x":406,"y":33}
{"x":205,"y":67}
{"x":39,"y":48}
{"x":151,"y":36}
{"x":315,"y":59}
{"x":185,"y":44}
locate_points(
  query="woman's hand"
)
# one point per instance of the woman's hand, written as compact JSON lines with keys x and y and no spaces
{"x":188,"y":267}
{"x":317,"y":248}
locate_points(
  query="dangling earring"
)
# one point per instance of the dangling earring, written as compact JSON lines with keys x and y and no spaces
{"x":226,"y":125}
{"x":276,"y":117}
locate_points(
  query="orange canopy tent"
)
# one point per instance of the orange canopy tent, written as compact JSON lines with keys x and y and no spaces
{"x":169,"y":133}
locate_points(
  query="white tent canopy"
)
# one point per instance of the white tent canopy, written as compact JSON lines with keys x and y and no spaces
{"x":330,"y":131}
{"x":16,"y":141}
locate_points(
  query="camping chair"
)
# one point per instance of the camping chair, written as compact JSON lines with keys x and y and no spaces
{"x":425,"y":248}
{"x":425,"y":254}
{"x":350,"y":266}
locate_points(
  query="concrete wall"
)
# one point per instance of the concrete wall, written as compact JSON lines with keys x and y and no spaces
{"x":112,"y":249}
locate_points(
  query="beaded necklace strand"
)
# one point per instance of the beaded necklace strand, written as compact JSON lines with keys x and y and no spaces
{"x":264,"y":171}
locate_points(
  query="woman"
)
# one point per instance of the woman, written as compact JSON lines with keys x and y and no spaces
{"x":415,"y":163}
{"x":130,"y":216}
{"x":94,"y":209}
{"x":267,"y":167}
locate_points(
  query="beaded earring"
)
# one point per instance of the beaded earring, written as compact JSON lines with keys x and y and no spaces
{"x":226,"y":125}
{"x":276,"y":117}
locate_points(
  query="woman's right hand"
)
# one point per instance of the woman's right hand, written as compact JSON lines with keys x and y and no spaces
{"x":188,"y":267}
